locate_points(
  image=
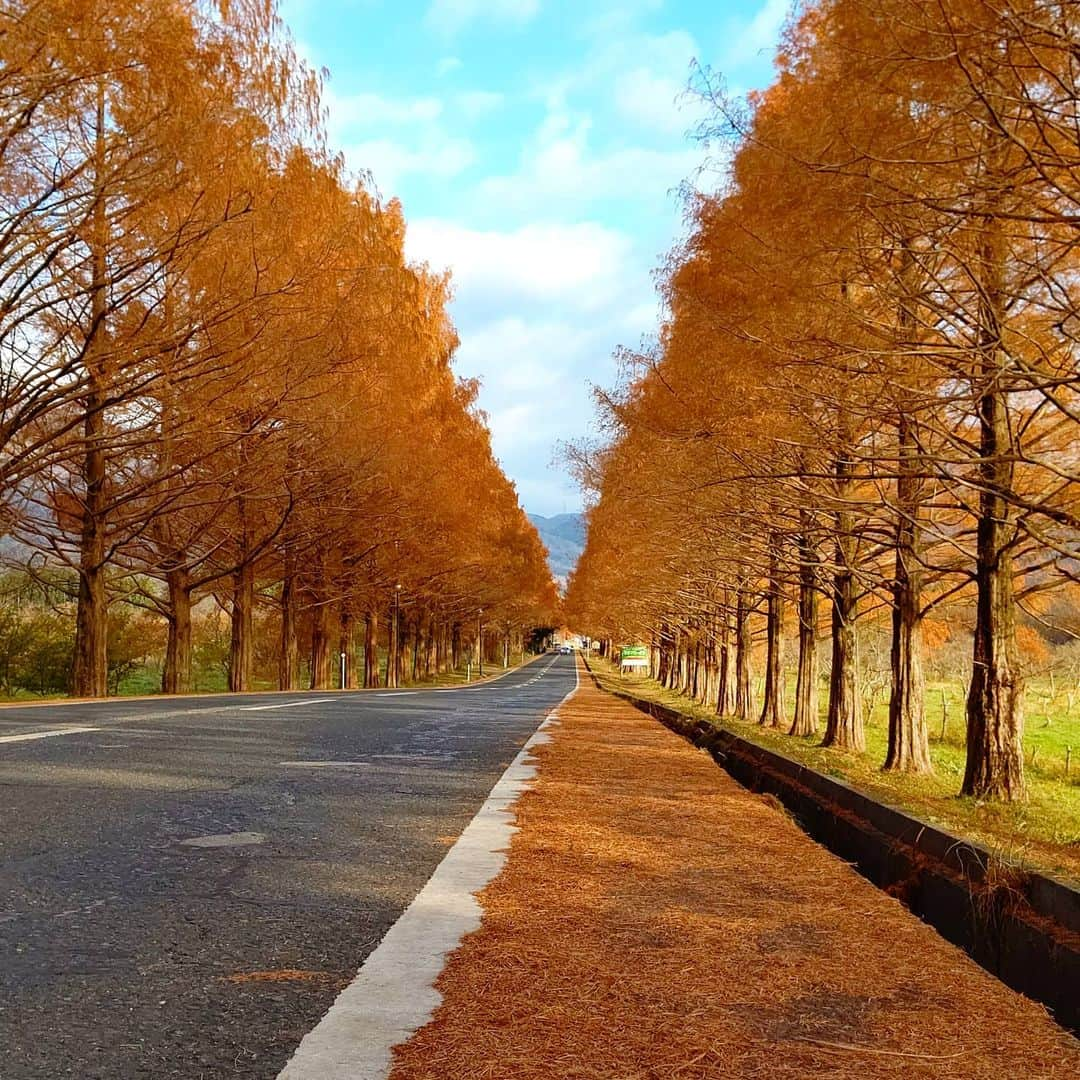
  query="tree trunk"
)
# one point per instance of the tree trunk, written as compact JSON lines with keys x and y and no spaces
{"x":320,"y":646}
{"x":726,"y":691}
{"x":393,"y":657}
{"x":703,"y":679}
{"x":844,"y":726}
{"x":994,"y":766}
{"x":909,"y":743}
{"x":708,"y":689}
{"x":242,"y":621}
{"x":289,"y":649}
{"x":91,"y":661}
{"x":744,"y":678}
{"x":995,"y":761}
{"x":442,"y":649}
{"x":725,"y":697}
{"x":806,"y":688}
{"x":371,"y":650}
{"x":664,"y":668}
{"x":773,"y":713}
{"x":176,"y":674}
{"x":347,"y":649}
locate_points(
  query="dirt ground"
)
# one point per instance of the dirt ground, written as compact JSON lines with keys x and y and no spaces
{"x":655,"y":921}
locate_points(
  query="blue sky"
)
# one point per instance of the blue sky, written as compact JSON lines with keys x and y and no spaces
{"x":537,"y":146}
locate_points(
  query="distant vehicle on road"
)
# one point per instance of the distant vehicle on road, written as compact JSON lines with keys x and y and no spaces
{"x":566,"y":650}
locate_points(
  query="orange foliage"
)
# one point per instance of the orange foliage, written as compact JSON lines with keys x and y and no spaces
{"x":238,"y":387}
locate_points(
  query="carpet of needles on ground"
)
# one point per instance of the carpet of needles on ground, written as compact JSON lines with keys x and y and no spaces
{"x":657,"y":921}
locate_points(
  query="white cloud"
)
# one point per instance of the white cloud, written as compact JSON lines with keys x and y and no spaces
{"x":562,"y":175}
{"x":450,"y":16}
{"x":349,"y":112}
{"x":649,"y":99}
{"x":539,"y":310}
{"x":508,"y":425}
{"x":534,"y":376}
{"x":446,"y":65}
{"x":570,"y":162}
{"x":520,"y":359}
{"x":760,"y":32}
{"x":644,"y":76}
{"x":577,"y":266}
{"x":473,"y":104}
{"x":619,"y":18}
{"x":396,"y":137}
{"x":435,"y":154}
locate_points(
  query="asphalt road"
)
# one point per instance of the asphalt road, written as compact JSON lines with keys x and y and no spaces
{"x":127,"y":952}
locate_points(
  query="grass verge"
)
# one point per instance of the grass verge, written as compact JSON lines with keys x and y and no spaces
{"x":1042,"y":831}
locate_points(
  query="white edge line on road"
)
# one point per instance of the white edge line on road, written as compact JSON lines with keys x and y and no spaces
{"x":469,"y":687}
{"x":45,"y":734}
{"x":394,"y":994}
{"x":284,"y":705}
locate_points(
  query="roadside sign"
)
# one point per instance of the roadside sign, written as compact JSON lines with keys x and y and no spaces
{"x":633,"y":657}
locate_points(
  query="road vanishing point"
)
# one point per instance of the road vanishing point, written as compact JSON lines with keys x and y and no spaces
{"x":187,"y":883}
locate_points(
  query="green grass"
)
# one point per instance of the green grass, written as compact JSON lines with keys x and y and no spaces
{"x":146,"y":680}
{"x":142,"y":681}
{"x":1043,"y":830}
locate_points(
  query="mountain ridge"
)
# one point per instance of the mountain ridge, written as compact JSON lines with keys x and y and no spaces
{"x":564,"y":537}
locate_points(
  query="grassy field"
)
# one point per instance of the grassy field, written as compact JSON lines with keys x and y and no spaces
{"x":1042,"y":831}
{"x":146,"y":680}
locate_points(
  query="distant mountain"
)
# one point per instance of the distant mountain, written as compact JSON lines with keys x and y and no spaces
{"x":564,"y":537}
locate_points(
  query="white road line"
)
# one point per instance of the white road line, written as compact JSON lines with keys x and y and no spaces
{"x":394,"y":993}
{"x":400,"y":693}
{"x":285,"y":705}
{"x":325,"y":764}
{"x":28,"y":736}
{"x":488,"y":682}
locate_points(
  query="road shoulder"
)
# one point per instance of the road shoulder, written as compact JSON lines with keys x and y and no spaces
{"x":656,"y":920}
{"x":394,"y":992}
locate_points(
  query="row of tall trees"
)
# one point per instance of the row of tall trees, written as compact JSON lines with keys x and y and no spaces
{"x":219,"y":375}
{"x":865,"y":396}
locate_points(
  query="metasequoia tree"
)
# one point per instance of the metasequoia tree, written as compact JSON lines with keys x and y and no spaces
{"x":866,"y":386}
{"x":985,"y":264}
{"x":220,"y":378}
{"x":116,"y":181}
